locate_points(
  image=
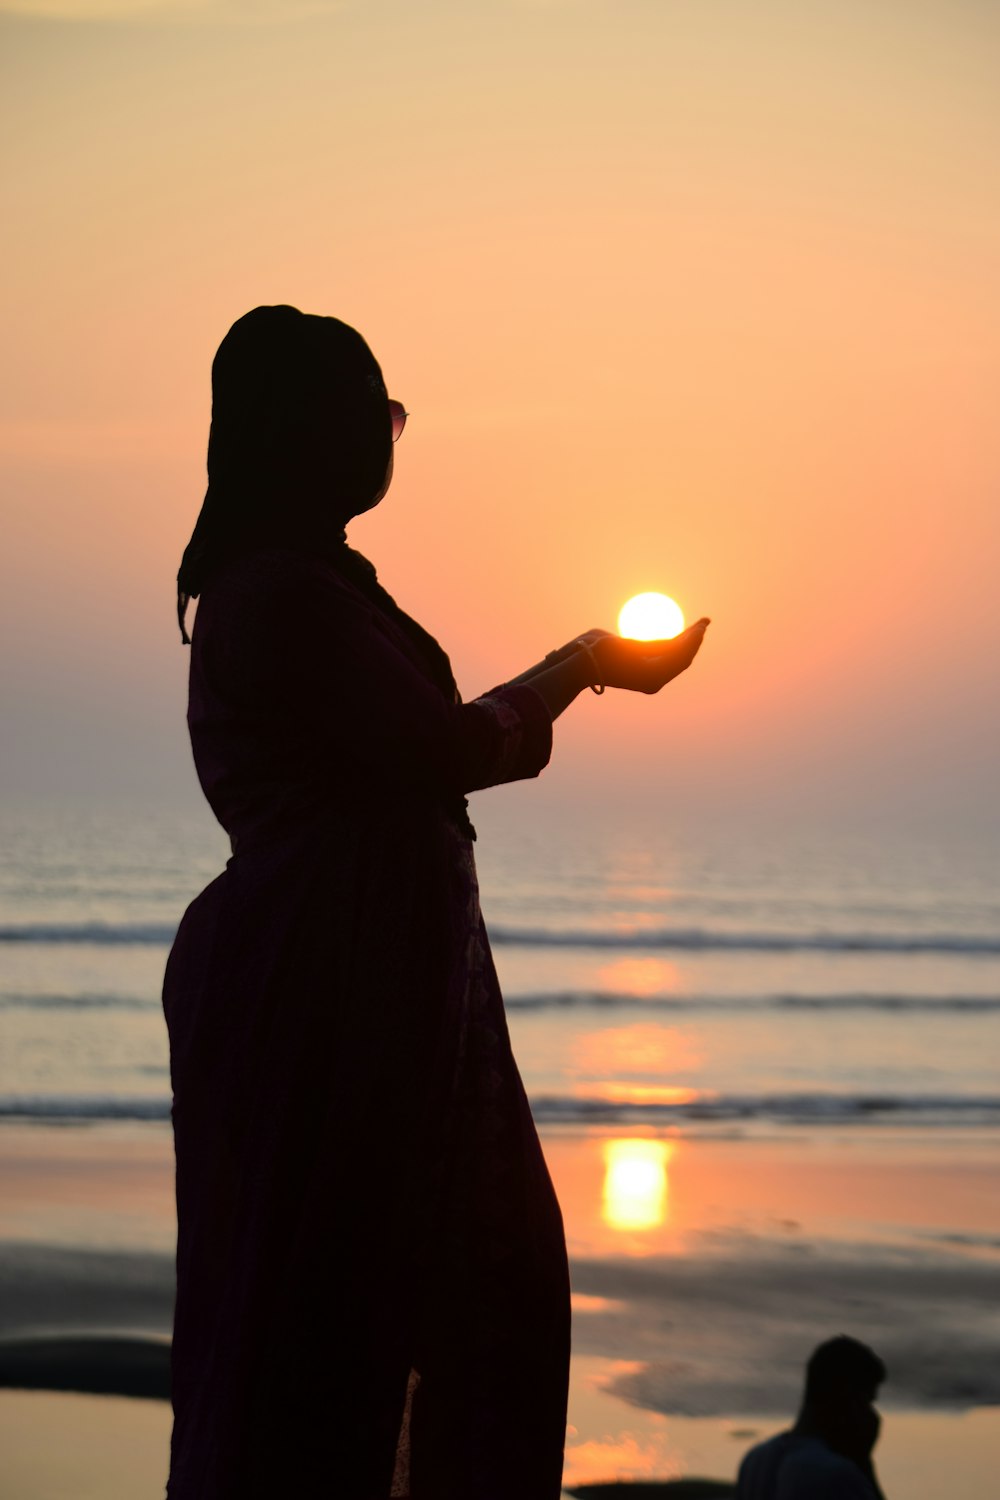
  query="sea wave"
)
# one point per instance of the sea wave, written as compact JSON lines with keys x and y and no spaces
{"x":741,"y":1004}
{"x":82,"y":1001}
{"x":557,"y":1109}
{"x":702,"y":939}
{"x":562,"y":1000}
{"x":688,"y":939}
{"x":89,"y":933}
{"x":90,"y":1107}
{"x":794,"y":1109}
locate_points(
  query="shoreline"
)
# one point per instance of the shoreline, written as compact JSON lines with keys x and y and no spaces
{"x":739,"y":1255}
{"x":688,"y":1335}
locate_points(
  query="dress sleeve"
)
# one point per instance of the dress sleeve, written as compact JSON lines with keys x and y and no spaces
{"x":506,"y":735}
{"x":346,"y":687}
{"x":376,"y":706}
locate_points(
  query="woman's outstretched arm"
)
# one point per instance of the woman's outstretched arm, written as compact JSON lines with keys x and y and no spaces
{"x":600,"y":658}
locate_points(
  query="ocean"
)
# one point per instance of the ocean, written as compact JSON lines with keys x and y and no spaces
{"x":647,"y":980}
{"x":765,"y":1064}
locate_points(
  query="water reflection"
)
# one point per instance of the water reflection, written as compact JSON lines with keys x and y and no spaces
{"x":650,"y":1093}
{"x":640,"y":976}
{"x":645,"y":1052}
{"x":636,"y":1189}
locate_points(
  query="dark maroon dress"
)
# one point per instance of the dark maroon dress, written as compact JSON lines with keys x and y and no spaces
{"x":372,"y":1291}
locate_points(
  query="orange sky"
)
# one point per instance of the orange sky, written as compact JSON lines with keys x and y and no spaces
{"x":700,"y":297}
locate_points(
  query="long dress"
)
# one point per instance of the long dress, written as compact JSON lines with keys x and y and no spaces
{"x":372,"y":1289}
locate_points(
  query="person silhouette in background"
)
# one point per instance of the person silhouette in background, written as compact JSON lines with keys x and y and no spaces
{"x":372,"y":1288}
{"x":827,"y":1455}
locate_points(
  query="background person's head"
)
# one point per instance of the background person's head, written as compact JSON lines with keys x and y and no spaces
{"x":842,"y":1380}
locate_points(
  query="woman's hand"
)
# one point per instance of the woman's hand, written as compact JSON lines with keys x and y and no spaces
{"x":597,"y":657}
{"x":644,"y":666}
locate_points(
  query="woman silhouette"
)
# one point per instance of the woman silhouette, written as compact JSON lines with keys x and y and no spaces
{"x":372,"y":1291}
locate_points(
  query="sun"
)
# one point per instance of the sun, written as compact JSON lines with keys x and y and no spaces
{"x":651,"y":617}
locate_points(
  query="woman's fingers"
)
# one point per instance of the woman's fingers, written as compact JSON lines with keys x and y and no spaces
{"x":646,"y":666}
{"x":695,"y":632}
{"x":687,"y":645}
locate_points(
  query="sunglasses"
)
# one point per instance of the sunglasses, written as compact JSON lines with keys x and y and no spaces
{"x":398,"y":417}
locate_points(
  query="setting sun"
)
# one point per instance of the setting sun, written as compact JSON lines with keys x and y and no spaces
{"x":651,"y":617}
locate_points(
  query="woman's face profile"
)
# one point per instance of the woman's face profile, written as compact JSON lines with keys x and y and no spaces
{"x":377,"y":498}
{"x":397,"y":416}
{"x":388,"y":475}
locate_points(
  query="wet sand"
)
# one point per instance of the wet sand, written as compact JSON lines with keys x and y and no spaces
{"x":703,"y":1274}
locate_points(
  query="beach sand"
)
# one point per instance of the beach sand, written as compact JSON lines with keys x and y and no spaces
{"x":704,"y":1270}
{"x":71,"y":1447}
{"x":77,"y":1447}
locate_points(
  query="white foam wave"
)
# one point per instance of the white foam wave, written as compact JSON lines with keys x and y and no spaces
{"x":800,"y":1109}
{"x":688,"y":939}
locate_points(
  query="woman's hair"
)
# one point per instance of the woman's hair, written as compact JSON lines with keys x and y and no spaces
{"x":301,"y":441}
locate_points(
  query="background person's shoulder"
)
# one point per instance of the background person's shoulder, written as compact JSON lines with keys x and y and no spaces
{"x":812,"y":1471}
{"x":759,"y":1467}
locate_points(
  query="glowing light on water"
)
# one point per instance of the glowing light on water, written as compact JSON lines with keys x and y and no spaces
{"x":635,"y":1184}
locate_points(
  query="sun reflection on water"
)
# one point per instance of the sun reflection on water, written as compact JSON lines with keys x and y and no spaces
{"x":636,"y":1188}
{"x":640,"y":976}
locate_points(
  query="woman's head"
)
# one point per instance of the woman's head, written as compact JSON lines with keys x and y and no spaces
{"x":299,"y":404}
{"x":301,"y":439}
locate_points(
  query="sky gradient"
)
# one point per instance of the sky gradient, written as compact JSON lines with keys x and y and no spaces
{"x":693,"y":296}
